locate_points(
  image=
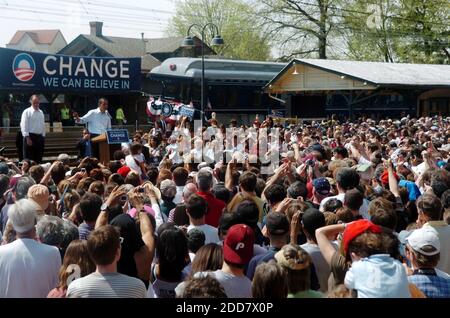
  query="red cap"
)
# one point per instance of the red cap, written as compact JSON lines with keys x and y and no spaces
{"x":124,"y":171}
{"x":354,"y":229}
{"x":238,"y":245}
{"x":385,"y":177}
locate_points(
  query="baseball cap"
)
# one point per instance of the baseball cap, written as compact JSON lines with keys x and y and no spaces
{"x":385,"y":177}
{"x":124,"y":171}
{"x":322,"y":186}
{"x":354,"y":229}
{"x":277,"y":223}
{"x":421,"y":238}
{"x":238,"y":244}
{"x":23,"y":215}
{"x":293,"y":257}
{"x":39,"y":194}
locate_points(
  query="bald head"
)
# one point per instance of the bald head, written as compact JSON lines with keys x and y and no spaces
{"x":34,"y":101}
{"x":188,"y":190}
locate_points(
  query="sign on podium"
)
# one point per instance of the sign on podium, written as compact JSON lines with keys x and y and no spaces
{"x":108,"y":141}
{"x":117,"y":136}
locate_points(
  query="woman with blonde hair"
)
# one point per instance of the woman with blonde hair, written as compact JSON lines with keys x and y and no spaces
{"x":76,"y":264}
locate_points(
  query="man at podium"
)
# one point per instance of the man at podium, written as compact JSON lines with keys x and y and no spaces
{"x":97,"y":120}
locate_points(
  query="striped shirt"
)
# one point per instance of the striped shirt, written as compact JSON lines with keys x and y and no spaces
{"x":84,"y":230}
{"x":107,"y":285}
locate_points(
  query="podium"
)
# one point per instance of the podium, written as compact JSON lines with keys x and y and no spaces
{"x":109,"y":142}
{"x":104,"y":151}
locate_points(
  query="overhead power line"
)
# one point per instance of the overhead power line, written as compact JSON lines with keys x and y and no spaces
{"x":59,"y":14}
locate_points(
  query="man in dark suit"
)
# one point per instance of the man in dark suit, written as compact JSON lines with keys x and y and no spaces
{"x":84,"y":146}
{"x":162,"y":123}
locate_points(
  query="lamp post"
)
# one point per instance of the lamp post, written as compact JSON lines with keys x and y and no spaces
{"x":189,"y":42}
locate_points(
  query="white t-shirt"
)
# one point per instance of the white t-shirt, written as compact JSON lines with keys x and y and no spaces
{"x":419,"y":169}
{"x":130,"y":161}
{"x":179,"y":195}
{"x":211,"y":233}
{"x":174,"y":156}
{"x":378,"y":276}
{"x":28,"y":269}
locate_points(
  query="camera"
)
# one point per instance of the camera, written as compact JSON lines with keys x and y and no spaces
{"x":83,"y":170}
{"x":310,"y":162}
{"x":123,"y":198}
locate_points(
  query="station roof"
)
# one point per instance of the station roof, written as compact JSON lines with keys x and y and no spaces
{"x":377,"y":73}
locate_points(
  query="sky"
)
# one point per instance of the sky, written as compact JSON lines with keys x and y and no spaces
{"x":120,"y":18}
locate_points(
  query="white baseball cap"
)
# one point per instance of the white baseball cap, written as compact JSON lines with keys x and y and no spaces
{"x":425,"y":236}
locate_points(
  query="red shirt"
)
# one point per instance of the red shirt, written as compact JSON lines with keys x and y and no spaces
{"x":215,"y":208}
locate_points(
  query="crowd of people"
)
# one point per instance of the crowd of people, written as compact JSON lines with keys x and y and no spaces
{"x":355,"y":208}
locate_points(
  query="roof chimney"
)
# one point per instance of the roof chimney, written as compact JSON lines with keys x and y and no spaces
{"x":96,"y":28}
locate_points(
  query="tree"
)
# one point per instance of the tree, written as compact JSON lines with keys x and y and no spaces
{"x":427,"y":28}
{"x":301,"y":28}
{"x":236,"y":21}
{"x":415,"y":31}
{"x":369,"y":31}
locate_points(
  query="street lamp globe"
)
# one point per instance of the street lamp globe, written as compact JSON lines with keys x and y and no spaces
{"x":217,"y":41}
{"x":188,"y":42}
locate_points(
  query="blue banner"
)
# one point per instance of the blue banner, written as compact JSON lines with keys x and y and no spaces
{"x":117,"y":136}
{"x":38,"y":71}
